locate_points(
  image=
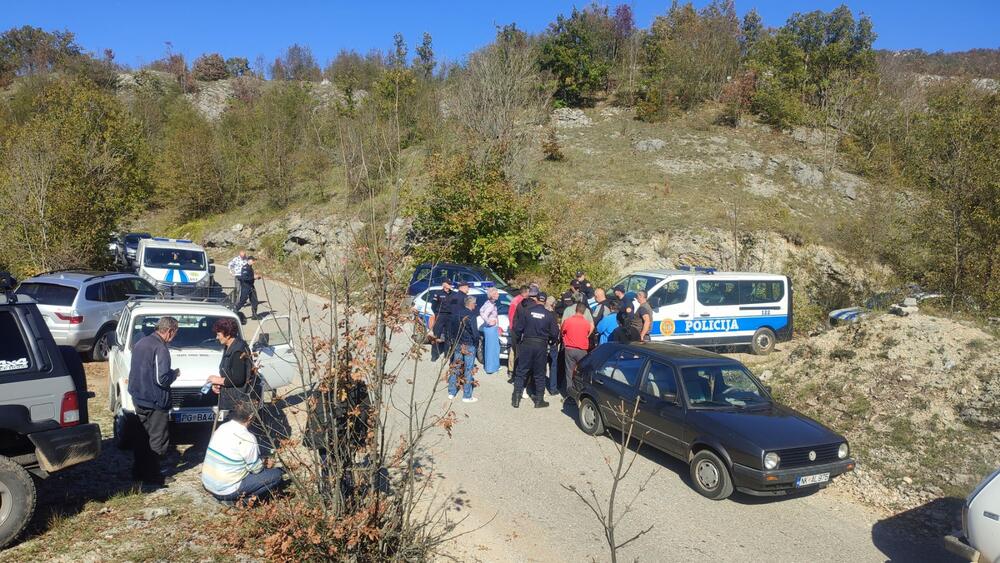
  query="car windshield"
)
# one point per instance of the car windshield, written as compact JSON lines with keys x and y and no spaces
{"x":48,"y":293}
{"x":132,"y":239}
{"x":722,"y":386}
{"x":193,"y":331}
{"x":175,"y":258}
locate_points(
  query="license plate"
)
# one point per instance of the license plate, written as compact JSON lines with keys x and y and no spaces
{"x":806,"y":480}
{"x":186,"y":417}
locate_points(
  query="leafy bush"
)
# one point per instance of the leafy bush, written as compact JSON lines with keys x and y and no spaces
{"x":579,"y":51}
{"x":189,"y":167}
{"x":472,"y":214}
{"x":210,"y":67}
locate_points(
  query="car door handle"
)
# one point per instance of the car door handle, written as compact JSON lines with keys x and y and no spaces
{"x":641,"y":399}
{"x":706,"y":314}
{"x":598,"y":382}
{"x":683,"y":315}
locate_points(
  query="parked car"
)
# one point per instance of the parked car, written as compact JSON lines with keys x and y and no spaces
{"x":81,"y":308}
{"x":422,"y":308}
{"x":197,"y":353}
{"x":125,"y":248}
{"x":432,"y":274}
{"x":703,"y":307}
{"x":980,"y":524}
{"x":176,"y":267}
{"x":711,"y":412}
{"x":44,"y":426}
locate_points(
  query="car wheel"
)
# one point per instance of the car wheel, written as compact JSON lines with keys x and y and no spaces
{"x":710,"y":476}
{"x":479,"y":354}
{"x":589,"y":417}
{"x":102,"y":347}
{"x":17,"y":500}
{"x":120,"y":428}
{"x":763,"y":341}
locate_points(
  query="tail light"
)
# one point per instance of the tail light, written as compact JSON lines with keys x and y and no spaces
{"x":69,"y":414}
{"x":73,"y":319}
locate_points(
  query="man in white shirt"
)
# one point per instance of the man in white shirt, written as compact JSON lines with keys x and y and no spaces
{"x":235,"y":267}
{"x":233,"y":469}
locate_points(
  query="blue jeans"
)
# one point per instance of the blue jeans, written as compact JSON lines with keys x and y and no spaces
{"x":259,"y":485}
{"x":467,"y":354}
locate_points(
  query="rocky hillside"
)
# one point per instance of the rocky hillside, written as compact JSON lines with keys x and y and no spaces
{"x":917,"y":396}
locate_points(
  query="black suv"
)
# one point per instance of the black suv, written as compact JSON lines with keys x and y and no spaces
{"x":43,"y":409}
{"x":711,"y":412}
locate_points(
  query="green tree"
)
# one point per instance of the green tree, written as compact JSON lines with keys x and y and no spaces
{"x":425,"y":62}
{"x":189,"y":175}
{"x":68,"y":176}
{"x":689,"y":54}
{"x":29,"y":50}
{"x":579,"y":52}
{"x":953,"y":154}
{"x":472,"y":214}
{"x":237,"y":67}
{"x":297,"y":63}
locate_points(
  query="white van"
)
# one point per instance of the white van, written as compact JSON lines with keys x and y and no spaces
{"x":175,"y":266}
{"x":706,"y":308}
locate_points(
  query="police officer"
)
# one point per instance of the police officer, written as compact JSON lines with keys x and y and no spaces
{"x":441,"y":327}
{"x":454,"y":303}
{"x":534,"y":332}
{"x":585,"y":286}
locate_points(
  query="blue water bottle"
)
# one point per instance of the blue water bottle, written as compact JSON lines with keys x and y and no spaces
{"x":206,"y":388}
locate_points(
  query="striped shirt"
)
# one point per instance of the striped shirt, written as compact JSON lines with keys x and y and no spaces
{"x":232,"y":455}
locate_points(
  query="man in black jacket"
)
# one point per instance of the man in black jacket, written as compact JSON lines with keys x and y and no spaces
{"x":534,"y":334}
{"x":149,"y":383}
{"x":440,"y":325}
{"x":247,"y":289}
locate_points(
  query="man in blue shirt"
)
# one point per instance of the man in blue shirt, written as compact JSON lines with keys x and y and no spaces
{"x":608,"y":324}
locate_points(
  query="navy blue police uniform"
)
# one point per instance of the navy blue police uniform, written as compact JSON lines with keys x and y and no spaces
{"x":534,"y":334}
{"x":442,"y":322}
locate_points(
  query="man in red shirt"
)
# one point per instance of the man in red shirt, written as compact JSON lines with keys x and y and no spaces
{"x":511,"y":311}
{"x":576,"y":341}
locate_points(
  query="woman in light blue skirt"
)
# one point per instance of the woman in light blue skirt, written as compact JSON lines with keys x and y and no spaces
{"x":491,"y":332}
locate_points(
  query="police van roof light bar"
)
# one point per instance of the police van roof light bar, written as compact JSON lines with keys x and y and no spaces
{"x":702,"y":269}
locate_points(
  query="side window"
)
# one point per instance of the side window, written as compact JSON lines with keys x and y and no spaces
{"x":718,"y":292}
{"x":115,"y":291}
{"x":13,"y":348}
{"x":440,"y":274}
{"x":138,"y":286}
{"x":422,"y":274}
{"x":673,"y":292}
{"x":640,"y":283}
{"x":624,"y":367}
{"x":761,"y":291}
{"x":93,"y":292}
{"x":660,"y":381}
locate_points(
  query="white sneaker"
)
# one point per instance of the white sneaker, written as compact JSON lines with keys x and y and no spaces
{"x":470,"y":400}
{"x":450,"y":397}
{"x":524,"y":394}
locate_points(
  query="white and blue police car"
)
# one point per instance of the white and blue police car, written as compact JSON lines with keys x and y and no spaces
{"x":705,"y":308}
{"x":175,"y":266}
{"x":422,"y":309}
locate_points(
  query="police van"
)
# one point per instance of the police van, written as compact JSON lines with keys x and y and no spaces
{"x":705,"y":308}
{"x":175,"y":266}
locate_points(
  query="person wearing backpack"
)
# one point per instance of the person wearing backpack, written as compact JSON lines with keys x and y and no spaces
{"x":629,"y":325}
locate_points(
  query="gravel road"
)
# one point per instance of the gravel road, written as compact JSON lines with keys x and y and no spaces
{"x":508,"y":468}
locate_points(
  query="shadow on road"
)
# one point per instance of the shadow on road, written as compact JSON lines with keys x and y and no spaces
{"x":916,"y":535}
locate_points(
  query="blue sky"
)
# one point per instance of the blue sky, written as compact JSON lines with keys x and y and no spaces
{"x":137,"y":31}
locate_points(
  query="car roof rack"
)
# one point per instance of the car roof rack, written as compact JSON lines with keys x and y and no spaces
{"x":93,"y":274}
{"x":699,"y":269}
{"x":218,"y":294}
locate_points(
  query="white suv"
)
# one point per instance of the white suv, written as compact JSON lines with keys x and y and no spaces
{"x":81,"y":308}
{"x":197,"y":353}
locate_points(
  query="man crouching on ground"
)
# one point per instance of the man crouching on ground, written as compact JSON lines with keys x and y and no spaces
{"x":233,"y":469}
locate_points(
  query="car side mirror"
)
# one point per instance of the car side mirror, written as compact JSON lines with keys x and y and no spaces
{"x":112,"y":339}
{"x":262,"y":341}
{"x":211,"y":268}
{"x":768,"y":389}
{"x":669,"y":398}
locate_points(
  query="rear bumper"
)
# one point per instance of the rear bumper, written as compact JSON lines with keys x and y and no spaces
{"x":782,"y":481}
{"x":65,"y":447}
{"x":962,"y":549}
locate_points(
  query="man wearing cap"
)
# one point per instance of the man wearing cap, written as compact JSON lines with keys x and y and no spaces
{"x":440,"y":323}
{"x":585,"y":286}
{"x":535,"y":331}
{"x":570,"y":298}
{"x":247,"y":289}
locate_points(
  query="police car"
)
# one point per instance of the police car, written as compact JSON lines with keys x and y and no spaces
{"x":175,"y":266}
{"x":422,"y":308}
{"x":705,"y":308}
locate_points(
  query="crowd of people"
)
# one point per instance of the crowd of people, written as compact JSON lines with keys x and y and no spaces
{"x":547,"y":336}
